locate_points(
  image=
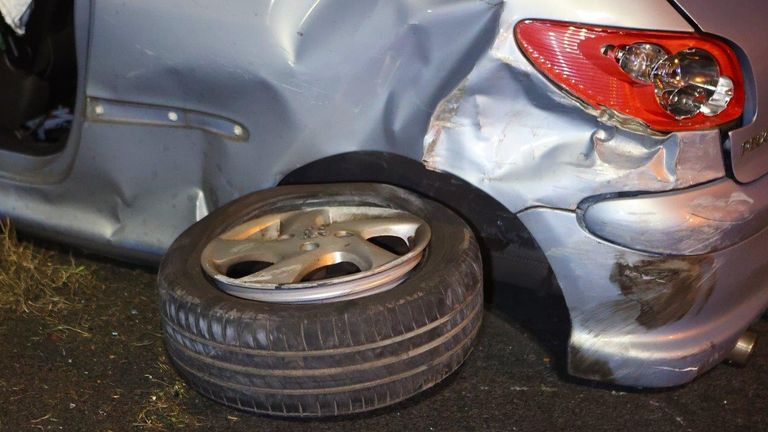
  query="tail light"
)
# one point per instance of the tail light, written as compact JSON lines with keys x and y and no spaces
{"x":670,"y":81}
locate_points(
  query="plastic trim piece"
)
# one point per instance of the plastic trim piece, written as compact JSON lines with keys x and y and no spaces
{"x":103,"y":110}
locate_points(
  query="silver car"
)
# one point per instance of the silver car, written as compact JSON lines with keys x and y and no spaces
{"x":329,"y":181}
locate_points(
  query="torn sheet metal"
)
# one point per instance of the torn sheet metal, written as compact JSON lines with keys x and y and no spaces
{"x":16,"y":13}
{"x":512,"y":133}
{"x":649,"y":320}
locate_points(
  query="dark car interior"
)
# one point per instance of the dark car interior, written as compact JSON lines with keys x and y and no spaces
{"x":38,"y":80}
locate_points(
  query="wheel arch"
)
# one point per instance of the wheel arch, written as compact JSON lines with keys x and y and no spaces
{"x":508,"y":248}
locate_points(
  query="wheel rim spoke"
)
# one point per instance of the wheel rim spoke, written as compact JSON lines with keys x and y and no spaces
{"x":286,"y":271}
{"x":225,"y":252}
{"x":294,"y":244}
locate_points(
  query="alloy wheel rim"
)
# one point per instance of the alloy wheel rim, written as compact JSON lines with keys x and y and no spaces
{"x":317,"y":254}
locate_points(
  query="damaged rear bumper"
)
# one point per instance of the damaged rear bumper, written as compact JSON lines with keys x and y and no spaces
{"x":664,"y":284}
{"x":699,"y":220}
{"x":660,"y":287}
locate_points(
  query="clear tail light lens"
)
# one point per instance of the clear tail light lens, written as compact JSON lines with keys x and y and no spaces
{"x":670,"y":81}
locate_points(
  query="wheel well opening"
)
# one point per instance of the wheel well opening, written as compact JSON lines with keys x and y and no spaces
{"x":519,"y":283}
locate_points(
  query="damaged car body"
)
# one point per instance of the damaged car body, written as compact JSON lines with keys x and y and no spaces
{"x":582,"y":184}
{"x":656,"y":235}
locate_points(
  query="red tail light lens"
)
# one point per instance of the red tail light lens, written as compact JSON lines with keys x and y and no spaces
{"x":670,"y":81}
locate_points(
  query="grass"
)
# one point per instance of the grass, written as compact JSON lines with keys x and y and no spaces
{"x":38,"y":281}
{"x":68,"y":295}
{"x":164,"y":408}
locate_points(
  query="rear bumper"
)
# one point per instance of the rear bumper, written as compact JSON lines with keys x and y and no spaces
{"x":699,"y":220}
{"x":652,"y":319}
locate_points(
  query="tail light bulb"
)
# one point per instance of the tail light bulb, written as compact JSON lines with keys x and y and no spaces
{"x":686,"y":83}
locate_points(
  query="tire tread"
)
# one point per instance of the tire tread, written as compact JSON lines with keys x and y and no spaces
{"x":352,"y":359}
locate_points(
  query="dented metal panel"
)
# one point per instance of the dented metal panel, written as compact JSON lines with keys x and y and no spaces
{"x":638,"y":318}
{"x":645,"y":319}
{"x":512,"y":133}
{"x":305,"y":79}
{"x":433,"y":80}
{"x":310,"y":79}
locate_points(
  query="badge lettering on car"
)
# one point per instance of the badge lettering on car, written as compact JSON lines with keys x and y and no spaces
{"x":755,"y":142}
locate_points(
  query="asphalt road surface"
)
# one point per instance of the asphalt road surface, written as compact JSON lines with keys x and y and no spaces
{"x":97,"y":363}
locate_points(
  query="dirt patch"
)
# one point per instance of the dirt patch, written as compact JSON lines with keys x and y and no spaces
{"x":165,"y":408}
{"x":84,"y":349}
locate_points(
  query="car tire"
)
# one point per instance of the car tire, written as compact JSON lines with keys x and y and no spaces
{"x":331,"y":358}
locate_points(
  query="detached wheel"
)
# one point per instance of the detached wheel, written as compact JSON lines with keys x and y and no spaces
{"x":321,"y":300}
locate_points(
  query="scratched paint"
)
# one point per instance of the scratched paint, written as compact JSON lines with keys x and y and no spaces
{"x":664,"y":290}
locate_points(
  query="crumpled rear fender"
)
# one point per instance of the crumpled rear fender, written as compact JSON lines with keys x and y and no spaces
{"x":638,"y":318}
{"x":646,"y":319}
